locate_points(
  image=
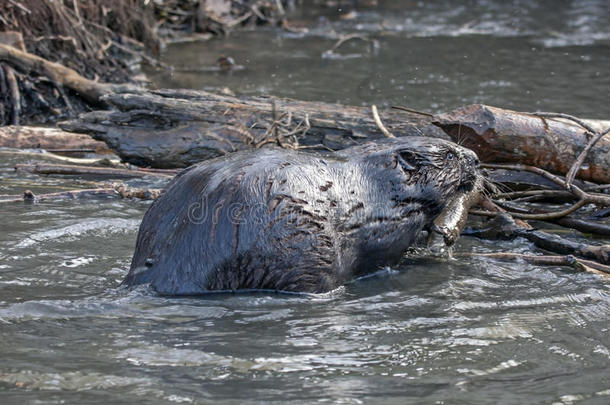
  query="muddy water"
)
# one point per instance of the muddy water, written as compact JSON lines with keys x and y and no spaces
{"x":462,"y":331}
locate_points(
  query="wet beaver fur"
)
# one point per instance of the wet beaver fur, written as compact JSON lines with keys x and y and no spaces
{"x":283,"y":220}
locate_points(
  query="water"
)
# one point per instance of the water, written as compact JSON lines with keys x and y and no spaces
{"x":432,"y":56}
{"x":462,"y":331}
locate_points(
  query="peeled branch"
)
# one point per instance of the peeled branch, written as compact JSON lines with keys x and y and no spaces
{"x":452,"y":220}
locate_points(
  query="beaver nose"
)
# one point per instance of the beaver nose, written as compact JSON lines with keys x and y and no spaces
{"x":472,"y":160}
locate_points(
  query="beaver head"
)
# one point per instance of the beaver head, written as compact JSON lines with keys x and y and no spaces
{"x":427,"y":170}
{"x":409,"y":182}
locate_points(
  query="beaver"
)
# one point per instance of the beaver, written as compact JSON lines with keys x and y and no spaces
{"x":285,"y":220}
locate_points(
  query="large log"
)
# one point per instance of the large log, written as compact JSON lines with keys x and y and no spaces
{"x":47,"y":138}
{"x":503,"y":136}
{"x":176,"y":128}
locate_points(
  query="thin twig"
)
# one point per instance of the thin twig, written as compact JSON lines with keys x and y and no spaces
{"x":601,"y":199}
{"x":396,"y":107}
{"x":534,"y":193}
{"x":581,"y":158}
{"x":565,"y":116}
{"x":344,"y":38}
{"x":44,"y":168}
{"x":379,"y":124}
{"x":564,"y":260}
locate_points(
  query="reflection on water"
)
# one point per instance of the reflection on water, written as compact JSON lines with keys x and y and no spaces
{"x":448,"y":331}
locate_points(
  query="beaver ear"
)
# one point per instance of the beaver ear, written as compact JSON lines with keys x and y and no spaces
{"x":407,"y":160}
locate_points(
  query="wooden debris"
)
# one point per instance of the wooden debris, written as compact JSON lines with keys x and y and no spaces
{"x":13,"y":93}
{"x":544,"y":260}
{"x":88,"y":89}
{"x":50,"y":139}
{"x":504,"y":227}
{"x":71,"y":170}
{"x":553,"y":144}
{"x":452,"y":220}
{"x":176,"y":128}
{"x":118,"y":190}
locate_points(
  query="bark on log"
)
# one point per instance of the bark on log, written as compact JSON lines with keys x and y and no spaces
{"x":176,"y":128}
{"x":47,"y":138}
{"x":503,"y":136}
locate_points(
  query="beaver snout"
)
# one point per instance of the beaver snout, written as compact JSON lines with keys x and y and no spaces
{"x":470,"y":159}
{"x":469,"y":169}
{"x":470,"y":173}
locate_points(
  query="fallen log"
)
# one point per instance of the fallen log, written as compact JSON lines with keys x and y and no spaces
{"x":52,"y":139}
{"x":176,"y":128}
{"x":553,"y":144}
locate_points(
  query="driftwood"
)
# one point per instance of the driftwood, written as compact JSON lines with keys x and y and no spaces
{"x":548,"y":141}
{"x":52,"y":139}
{"x":71,"y":170}
{"x":176,"y":128}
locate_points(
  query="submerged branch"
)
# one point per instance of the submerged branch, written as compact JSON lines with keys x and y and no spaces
{"x":46,"y":168}
{"x":118,"y":190}
{"x":543,"y":260}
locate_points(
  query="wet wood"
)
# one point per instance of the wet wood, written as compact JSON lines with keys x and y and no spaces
{"x":176,"y":128}
{"x":504,"y":136}
{"x":544,"y":260}
{"x":90,"y":90}
{"x":452,"y":220}
{"x":505,"y":227}
{"x":51,"y":139}
{"x":14,"y":95}
{"x":71,"y":170}
{"x":590,"y":225}
{"x":117,"y":191}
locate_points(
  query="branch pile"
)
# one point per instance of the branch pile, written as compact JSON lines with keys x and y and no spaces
{"x":559,"y":155}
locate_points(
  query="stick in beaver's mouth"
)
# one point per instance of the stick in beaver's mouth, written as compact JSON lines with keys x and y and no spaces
{"x":452,"y":220}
